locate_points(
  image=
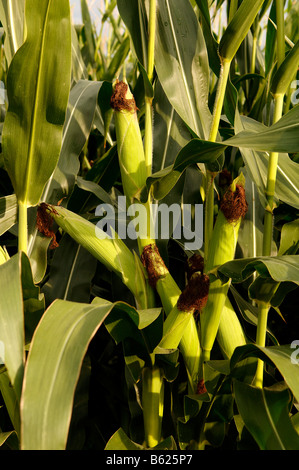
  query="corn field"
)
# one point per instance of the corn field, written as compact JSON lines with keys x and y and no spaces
{"x":149,"y":225}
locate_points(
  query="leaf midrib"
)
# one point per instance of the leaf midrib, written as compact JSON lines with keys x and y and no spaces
{"x":35,"y":107}
{"x":57,"y":369}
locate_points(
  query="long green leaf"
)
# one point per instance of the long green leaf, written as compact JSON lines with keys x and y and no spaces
{"x":238,"y":28}
{"x":12,"y":321}
{"x":182,"y":63}
{"x":78,"y":121}
{"x":71,"y":272}
{"x":8,"y":212}
{"x":79,"y":118}
{"x":279,"y":268}
{"x":285,"y":73}
{"x":280,"y":137}
{"x":12,"y":19}
{"x":37,"y":97}
{"x":55,"y":357}
{"x":280,"y":356}
{"x":265,"y":414}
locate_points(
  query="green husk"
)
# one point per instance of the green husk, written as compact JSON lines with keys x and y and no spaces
{"x":129,"y":141}
{"x":152,"y":400}
{"x":221,"y":249}
{"x":180,"y":327}
{"x":131,"y":154}
{"x":230,"y":333}
{"x":112,"y":252}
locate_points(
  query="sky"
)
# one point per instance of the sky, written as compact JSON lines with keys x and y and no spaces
{"x":94,"y":7}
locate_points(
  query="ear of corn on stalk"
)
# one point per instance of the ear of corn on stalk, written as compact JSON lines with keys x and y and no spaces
{"x":180,"y":328}
{"x":221,"y":249}
{"x":131,"y":153}
{"x":129,"y":141}
{"x":112,"y":252}
{"x":230,"y":333}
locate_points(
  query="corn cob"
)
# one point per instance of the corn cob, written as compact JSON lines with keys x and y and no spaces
{"x":180,"y":327}
{"x":221,"y":249}
{"x":191,"y":300}
{"x":230,"y":333}
{"x":131,"y":153}
{"x":112,"y":252}
{"x":129,"y":141}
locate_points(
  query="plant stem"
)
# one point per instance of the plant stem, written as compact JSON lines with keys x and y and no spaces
{"x":221,"y":89}
{"x":263,"y":309}
{"x":280,"y":32}
{"x":253,"y":57}
{"x":22,"y":230}
{"x":271,"y":182}
{"x":261,"y":341}
{"x":151,"y":43}
{"x":209,"y":203}
{"x":148,"y":137}
{"x":152,"y":403}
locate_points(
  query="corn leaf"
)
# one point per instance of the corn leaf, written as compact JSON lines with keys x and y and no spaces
{"x":280,"y":356}
{"x":77,"y":126}
{"x":279,"y":268}
{"x":134,"y":16}
{"x":12,"y":321}
{"x":37,"y":97}
{"x":78,"y":121}
{"x":265,"y":414}
{"x":120,"y":441}
{"x":12,"y":19}
{"x":52,"y":370}
{"x":238,"y":28}
{"x":8,"y":212}
{"x":71,"y":272}
{"x":280,"y":137}
{"x":286,"y":72}
{"x":182,"y":63}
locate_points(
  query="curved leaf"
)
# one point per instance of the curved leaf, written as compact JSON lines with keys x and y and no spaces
{"x":280,"y":356}
{"x":37,"y":97}
{"x":55,"y":357}
{"x":12,"y":320}
{"x":265,"y":414}
{"x":12,"y":19}
{"x":8,"y":212}
{"x":238,"y":28}
{"x":279,"y":268}
{"x":182,"y":63}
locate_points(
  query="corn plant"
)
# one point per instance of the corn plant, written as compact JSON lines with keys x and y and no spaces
{"x":123,"y":327}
